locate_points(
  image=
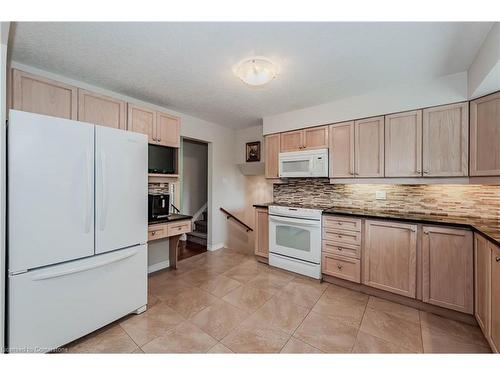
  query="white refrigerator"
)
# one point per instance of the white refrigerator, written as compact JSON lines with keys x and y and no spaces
{"x":77,"y":229}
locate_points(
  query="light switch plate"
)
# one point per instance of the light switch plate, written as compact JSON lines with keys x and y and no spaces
{"x":380,"y":195}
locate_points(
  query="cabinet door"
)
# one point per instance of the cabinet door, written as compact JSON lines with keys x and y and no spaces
{"x":369,"y":147}
{"x":446,"y":140}
{"x":390,"y":256}
{"x":35,"y":94}
{"x":447,"y":269}
{"x":495,"y":298}
{"x":142,"y":120}
{"x":272,"y":145}
{"x":403,"y":144}
{"x":342,"y":150}
{"x":168,"y":130}
{"x":101,"y":110}
{"x":485,"y":136}
{"x":261,"y":232}
{"x":292,"y":141}
{"x":482,"y":277}
{"x":315,"y":138}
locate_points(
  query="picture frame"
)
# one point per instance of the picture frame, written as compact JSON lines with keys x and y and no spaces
{"x":253,"y":152}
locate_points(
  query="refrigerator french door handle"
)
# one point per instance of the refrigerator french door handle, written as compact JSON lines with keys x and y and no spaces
{"x":53,"y":275}
{"x":104,"y":193}
{"x":88,"y":194}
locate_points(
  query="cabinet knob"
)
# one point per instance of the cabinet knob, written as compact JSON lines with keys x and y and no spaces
{"x":497,"y":259}
{"x":339,"y":248}
{"x":339,"y":266}
{"x":339,"y":223}
{"x":153,"y":233}
{"x":426,"y":172}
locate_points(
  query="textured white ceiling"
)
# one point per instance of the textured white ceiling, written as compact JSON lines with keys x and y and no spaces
{"x":188,"y":66}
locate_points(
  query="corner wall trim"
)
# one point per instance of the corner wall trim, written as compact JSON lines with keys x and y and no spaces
{"x":158,"y":266}
{"x":216,"y":246}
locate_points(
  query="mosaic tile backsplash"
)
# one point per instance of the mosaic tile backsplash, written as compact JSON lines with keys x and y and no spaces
{"x":453,"y":200}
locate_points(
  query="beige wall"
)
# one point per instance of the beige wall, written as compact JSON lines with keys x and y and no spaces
{"x":255,"y":189}
{"x":194,"y":176}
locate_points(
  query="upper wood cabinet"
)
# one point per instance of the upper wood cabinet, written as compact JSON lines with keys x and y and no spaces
{"x":272,"y":150}
{"x":495,"y":298}
{"x":167,"y":130}
{"x":403,"y":144}
{"x":482,"y":282}
{"x":291,"y":141}
{"x":390,"y":256}
{"x":485,"y":136}
{"x":369,"y":147}
{"x":262,"y":232}
{"x":101,"y":110}
{"x":447,"y":268}
{"x":446,"y":140}
{"x":32,"y":93}
{"x":142,"y":120}
{"x":341,"y":153}
{"x":305,"y":139}
{"x":315,"y":138}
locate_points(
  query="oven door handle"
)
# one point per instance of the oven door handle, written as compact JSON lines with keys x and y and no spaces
{"x":295,"y":222}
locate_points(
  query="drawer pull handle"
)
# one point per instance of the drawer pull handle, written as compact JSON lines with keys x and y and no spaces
{"x":339,"y":223}
{"x":497,"y":259}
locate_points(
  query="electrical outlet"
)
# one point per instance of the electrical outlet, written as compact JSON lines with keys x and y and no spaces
{"x":380,"y":195}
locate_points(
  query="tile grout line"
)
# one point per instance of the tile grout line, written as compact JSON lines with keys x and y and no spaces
{"x":302,"y":321}
{"x":360,"y":323}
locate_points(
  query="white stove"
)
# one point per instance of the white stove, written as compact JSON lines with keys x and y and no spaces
{"x":295,"y":240}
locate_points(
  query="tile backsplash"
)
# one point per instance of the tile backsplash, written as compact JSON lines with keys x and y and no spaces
{"x":454,"y":200}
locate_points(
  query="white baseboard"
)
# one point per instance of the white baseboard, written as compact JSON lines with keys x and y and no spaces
{"x":216,"y":246}
{"x":158,"y":266}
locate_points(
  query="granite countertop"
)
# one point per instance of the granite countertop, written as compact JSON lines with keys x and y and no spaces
{"x":170,"y":218}
{"x":321,"y":207}
{"x":490,"y":228}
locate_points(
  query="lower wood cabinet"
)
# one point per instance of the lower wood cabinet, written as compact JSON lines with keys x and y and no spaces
{"x":262,"y":232}
{"x":495,"y":299}
{"x":390,"y":256}
{"x":447,"y":268}
{"x":482,"y":282}
{"x":163,"y":230}
{"x":339,"y":266}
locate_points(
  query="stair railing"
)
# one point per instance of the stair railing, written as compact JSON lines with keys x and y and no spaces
{"x":229,"y":215}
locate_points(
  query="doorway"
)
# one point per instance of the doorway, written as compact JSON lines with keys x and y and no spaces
{"x":194,"y":196}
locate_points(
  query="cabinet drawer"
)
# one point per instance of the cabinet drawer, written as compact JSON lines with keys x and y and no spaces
{"x":179,"y":228}
{"x":155,"y":233}
{"x":337,"y":248}
{"x":342,"y":222}
{"x":342,"y":236}
{"x":344,"y":268}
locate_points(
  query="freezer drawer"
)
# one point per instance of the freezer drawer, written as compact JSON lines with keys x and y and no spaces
{"x":52,"y":306}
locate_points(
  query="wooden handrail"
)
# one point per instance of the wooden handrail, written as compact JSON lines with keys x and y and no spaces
{"x":229,"y":215}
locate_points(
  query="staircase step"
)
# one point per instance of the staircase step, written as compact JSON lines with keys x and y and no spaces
{"x":200,"y":226}
{"x":197,"y":237}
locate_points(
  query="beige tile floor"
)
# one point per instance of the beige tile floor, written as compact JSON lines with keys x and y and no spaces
{"x":227,"y":302}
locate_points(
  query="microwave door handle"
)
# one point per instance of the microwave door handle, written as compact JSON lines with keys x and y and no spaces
{"x":296,"y":222}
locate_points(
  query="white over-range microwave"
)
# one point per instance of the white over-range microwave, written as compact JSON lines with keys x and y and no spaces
{"x":311,"y":163}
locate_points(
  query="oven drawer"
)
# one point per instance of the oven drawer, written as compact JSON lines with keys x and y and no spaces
{"x":180,"y":227}
{"x":342,"y":267}
{"x":342,"y":236}
{"x":337,"y":248}
{"x":157,"y":232}
{"x":342,"y":222}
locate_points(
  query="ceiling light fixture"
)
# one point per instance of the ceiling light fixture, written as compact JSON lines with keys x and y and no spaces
{"x":256,"y":71}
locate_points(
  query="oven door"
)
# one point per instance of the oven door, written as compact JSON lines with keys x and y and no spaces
{"x":295,"y":238}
